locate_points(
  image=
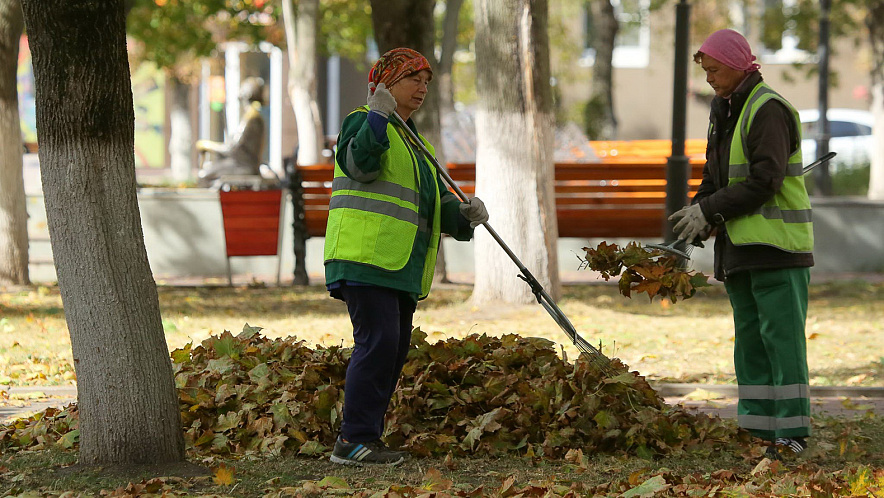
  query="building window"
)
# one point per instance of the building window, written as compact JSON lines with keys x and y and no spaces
{"x":779,"y":39}
{"x":633,"y":42}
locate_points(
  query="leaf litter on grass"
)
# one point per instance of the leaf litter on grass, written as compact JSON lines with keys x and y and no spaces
{"x":480,"y":395}
{"x":479,"y":401}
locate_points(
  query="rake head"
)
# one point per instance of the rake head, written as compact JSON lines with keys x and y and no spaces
{"x":677,"y":248}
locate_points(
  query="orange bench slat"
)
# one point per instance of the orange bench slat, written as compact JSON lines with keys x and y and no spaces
{"x":621,"y":197}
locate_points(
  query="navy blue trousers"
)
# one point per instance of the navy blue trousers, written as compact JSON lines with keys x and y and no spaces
{"x":382,"y":321}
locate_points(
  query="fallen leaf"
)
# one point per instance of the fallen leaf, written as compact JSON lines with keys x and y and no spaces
{"x":224,"y":476}
{"x":648,"y":488}
{"x":433,"y":481}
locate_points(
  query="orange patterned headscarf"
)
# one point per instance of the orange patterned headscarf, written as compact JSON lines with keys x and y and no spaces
{"x":397,"y":64}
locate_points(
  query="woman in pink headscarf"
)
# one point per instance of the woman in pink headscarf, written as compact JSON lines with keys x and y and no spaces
{"x":753,"y":196}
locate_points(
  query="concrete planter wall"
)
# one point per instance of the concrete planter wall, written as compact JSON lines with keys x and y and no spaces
{"x":184,"y":238}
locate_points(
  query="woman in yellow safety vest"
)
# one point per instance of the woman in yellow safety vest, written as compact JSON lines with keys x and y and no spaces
{"x":387,"y":212}
{"x":753,"y":195}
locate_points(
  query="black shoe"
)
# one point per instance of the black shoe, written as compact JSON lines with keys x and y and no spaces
{"x":374,"y":452}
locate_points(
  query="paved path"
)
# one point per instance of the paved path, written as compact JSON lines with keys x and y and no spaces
{"x":718,"y":400}
{"x":24,"y":401}
{"x":721,"y":400}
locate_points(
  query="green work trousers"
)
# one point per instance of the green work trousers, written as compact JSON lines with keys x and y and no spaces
{"x":770,"y":353}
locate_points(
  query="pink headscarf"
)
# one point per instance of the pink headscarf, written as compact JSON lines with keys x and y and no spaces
{"x":731,"y":49}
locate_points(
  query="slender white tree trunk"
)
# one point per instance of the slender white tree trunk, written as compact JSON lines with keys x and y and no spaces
{"x":180,"y":130}
{"x":85,"y":119}
{"x":13,"y":211}
{"x":875,"y":24}
{"x":514,"y":157}
{"x":301,"y":33}
{"x":876,"y":177}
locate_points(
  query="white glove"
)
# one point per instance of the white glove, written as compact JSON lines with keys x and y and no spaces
{"x":474,"y":211}
{"x":380,"y":100}
{"x":691,"y":223}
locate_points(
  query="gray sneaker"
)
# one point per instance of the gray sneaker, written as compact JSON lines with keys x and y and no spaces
{"x":374,"y":452}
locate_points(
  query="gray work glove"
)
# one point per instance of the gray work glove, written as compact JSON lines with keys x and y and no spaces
{"x":474,"y":211}
{"x":704,"y":234}
{"x":691,"y":222}
{"x":380,"y":100}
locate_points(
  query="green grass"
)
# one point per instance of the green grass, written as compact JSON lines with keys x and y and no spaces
{"x":840,"y":450}
{"x":845,"y":330}
{"x":845,"y":327}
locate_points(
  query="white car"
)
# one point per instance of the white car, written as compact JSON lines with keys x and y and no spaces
{"x":851,"y":136}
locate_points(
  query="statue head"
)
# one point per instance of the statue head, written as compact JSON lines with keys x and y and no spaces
{"x":252,"y":90}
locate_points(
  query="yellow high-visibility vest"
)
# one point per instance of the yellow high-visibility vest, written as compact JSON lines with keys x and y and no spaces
{"x":375,"y":223}
{"x":785,"y":220}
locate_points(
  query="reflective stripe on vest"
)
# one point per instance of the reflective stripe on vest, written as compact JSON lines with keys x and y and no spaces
{"x":375,"y":223}
{"x":785,"y":221}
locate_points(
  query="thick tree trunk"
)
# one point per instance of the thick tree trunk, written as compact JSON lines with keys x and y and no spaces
{"x":126,"y":392}
{"x":601,"y":120}
{"x":514,"y":157}
{"x":13,"y":211}
{"x":875,"y":23}
{"x":409,"y":23}
{"x":180,"y":130}
{"x":301,"y":33}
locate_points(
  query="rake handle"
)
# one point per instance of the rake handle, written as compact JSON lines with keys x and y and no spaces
{"x":463,"y":197}
{"x":542,"y":296}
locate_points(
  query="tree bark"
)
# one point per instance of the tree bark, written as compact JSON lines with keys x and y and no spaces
{"x":514,"y":158}
{"x":180,"y":130}
{"x":601,"y":120}
{"x":445,"y":65}
{"x":126,"y":392}
{"x":442,"y":74}
{"x":875,"y":23}
{"x":409,"y":23}
{"x":13,"y":205}
{"x":301,"y":31}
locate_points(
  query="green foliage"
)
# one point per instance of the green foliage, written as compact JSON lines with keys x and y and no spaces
{"x":593,"y":118}
{"x":345,"y":28}
{"x":248,"y":394}
{"x":846,"y":181}
{"x":176,"y":33}
{"x":644,"y":270}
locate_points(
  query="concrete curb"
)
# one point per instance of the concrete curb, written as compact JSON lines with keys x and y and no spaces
{"x":731,"y":390}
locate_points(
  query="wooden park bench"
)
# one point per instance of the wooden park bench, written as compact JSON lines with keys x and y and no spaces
{"x":620,"y":198}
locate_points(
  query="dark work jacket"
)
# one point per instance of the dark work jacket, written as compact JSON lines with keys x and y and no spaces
{"x":773,"y":137}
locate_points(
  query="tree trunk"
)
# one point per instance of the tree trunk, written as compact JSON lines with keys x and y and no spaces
{"x":601,"y":123}
{"x":301,"y":34}
{"x":514,"y":158}
{"x":13,"y":211}
{"x":408,"y":23}
{"x":446,"y":59}
{"x":180,"y":130}
{"x":445,"y":102}
{"x":126,"y":392}
{"x":875,"y":23}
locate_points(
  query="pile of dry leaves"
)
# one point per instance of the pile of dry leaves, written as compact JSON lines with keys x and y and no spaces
{"x":479,"y":395}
